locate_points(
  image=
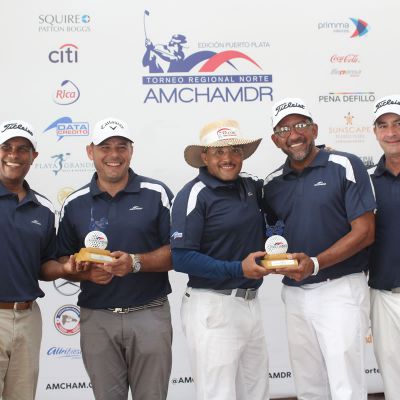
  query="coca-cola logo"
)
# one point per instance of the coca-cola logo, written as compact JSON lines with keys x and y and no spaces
{"x":349,"y":58}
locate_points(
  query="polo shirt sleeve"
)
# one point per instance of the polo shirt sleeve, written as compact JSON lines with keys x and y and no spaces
{"x":187,"y":218}
{"x":359,"y":194}
{"x":164,"y":221}
{"x":67,"y":240}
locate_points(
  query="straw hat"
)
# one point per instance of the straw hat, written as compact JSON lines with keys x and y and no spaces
{"x":219,"y":134}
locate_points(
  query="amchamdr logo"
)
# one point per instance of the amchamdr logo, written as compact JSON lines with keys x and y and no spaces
{"x":67,"y":53}
{"x":67,"y":93}
{"x":49,"y":23}
{"x":357,"y":27}
{"x":204,"y":75}
{"x":67,"y":320}
{"x":64,"y":126}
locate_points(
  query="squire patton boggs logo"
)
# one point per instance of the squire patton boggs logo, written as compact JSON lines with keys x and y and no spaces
{"x":64,"y":126}
{"x":66,"y":53}
{"x":67,"y":93}
{"x":358,"y":28}
{"x":177,"y":76}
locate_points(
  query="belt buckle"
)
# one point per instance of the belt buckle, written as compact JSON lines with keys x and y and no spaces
{"x":250,"y":294}
{"x":121,"y":310}
{"x":17,"y":303}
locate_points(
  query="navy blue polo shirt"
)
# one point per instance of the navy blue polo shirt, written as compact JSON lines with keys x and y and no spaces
{"x":384,"y":270}
{"x":27,"y":240}
{"x":318,"y":205}
{"x":219,"y":219}
{"x":135,"y":220}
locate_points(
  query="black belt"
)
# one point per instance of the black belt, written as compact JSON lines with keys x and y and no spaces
{"x":247,"y":294}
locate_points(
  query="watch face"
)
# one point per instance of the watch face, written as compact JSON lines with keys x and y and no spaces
{"x":137,"y":266}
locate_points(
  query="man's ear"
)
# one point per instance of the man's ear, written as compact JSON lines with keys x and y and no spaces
{"x":89,"y":151}
{"x":204,"y":158}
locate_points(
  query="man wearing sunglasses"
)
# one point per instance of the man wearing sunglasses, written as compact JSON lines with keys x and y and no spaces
{"x":326,"y":202}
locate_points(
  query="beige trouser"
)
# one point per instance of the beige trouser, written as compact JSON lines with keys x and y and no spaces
{"x":20,"y":337}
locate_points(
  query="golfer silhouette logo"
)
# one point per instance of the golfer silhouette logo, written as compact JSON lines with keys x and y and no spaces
{"x":170,"y":57}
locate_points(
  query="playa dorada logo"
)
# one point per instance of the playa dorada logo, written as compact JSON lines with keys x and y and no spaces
{"x":177,"y":75}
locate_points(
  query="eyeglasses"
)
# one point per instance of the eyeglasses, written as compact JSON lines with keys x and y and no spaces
{"x":220,"y":152}
{"x":285,"y":131}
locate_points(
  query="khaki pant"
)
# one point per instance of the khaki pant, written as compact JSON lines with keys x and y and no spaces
{"x":20,"y":337}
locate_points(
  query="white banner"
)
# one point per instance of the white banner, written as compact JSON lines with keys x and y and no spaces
{"x":167,"y":68}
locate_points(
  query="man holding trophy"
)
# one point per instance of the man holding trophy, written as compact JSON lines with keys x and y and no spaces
{"x":118,"y":226}
{"x":217,"y":234}
{"x":326,"y":202}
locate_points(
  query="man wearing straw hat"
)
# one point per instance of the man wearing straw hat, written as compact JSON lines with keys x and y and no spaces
{"x":384,"y":272}
{"x":217,"y":232}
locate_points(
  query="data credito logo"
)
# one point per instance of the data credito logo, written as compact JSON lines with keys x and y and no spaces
{"x":67,"y":320}
{"x":65,"y":127}
{"x":352,"y":27}
{"x":53,"y":23}
{"x":66,"y":53}
{"x":66,"y":93}
{"x":216,"y":72}
{"x":350,"y":131}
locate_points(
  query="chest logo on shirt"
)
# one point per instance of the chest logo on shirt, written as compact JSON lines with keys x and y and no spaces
{"x":320,"y":183}
{"x":249,"y":194}
{"x":135,"y":208}
{"x":36,"y":222}
{"x":177,"y":235}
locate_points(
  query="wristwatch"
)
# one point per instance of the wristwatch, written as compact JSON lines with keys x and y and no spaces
{"x":136,"y":263}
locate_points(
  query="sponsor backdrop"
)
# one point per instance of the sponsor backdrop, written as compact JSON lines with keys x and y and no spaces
{"x":167,"y":68}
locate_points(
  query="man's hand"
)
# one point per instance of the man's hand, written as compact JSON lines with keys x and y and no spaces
{"x":96,"y":274}
{"x":303,"y":271}
{"x":251,"y":270}
{"x":121,"y":265}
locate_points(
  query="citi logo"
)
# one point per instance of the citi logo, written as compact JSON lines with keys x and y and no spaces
{"x":320,"y":183}
{"x":36,"y":222}
{"x":135,"y":208}
{"x":67,"y":53}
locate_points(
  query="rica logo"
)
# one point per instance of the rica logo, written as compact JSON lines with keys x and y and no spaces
{"x":67,"y":93}
{"x":170,"y":57}
{"x":67,"y":53}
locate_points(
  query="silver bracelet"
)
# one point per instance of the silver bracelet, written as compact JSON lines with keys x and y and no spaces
{"x":316,"y":265}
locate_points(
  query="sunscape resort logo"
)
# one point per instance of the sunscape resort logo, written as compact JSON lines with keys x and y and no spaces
{"x":175,"y":77}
